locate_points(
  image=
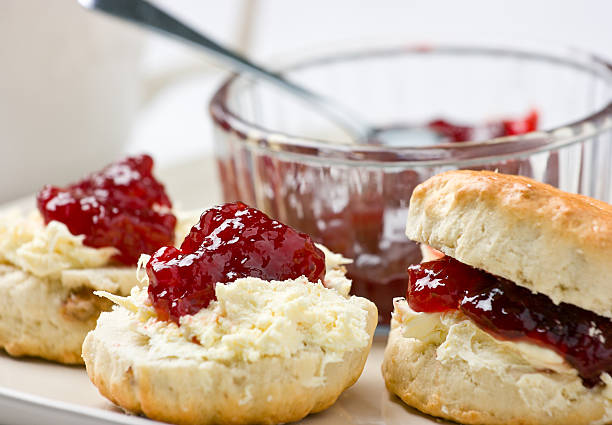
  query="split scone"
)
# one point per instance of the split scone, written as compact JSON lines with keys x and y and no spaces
{"x":512,"y":324}
{"x":248,"y":322}
{"x":80,"y":240}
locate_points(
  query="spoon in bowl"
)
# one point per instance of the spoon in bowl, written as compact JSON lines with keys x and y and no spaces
{"x":145,"y":14}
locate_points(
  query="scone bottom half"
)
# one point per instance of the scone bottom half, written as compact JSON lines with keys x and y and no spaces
{"x":482,"y":343}
{"x":267,"y":337}
{"x":83,"y":237}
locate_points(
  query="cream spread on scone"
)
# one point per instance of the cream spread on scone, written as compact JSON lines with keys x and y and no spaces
{"x":458,"y":338}
{"x":443,"y":328}
{"x":335,"y":271}
{"x":47,"y":250}
{"x":253,"y":318}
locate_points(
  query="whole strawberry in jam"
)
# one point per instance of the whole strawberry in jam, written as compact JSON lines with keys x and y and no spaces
{"x":121,"y":206}
{"x":229,"y":242}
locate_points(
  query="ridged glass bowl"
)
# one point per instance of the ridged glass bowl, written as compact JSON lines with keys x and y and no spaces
{"x":298,"y":166}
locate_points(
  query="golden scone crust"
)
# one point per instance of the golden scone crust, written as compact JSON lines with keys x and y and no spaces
{"x":47,"y":318}
{"x":267,"y":391}
{"x":533,"y":234}
{"x":458,"y":390}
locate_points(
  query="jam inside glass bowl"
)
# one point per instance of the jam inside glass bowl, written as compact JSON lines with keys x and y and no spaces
{"x":439,"y":107}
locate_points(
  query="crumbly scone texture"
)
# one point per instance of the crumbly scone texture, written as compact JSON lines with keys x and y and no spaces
{"x":270,"y":390}
{"x":451,"y":386}
{"x":48,"y":317}
{"x":47,"y":279}
{"x":533,"y":234}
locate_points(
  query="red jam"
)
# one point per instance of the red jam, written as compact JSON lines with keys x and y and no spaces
{"x":490,"y":130}
{"x":229,"y":242}
{"x":512,"y":312}
{"x":121,"y":206}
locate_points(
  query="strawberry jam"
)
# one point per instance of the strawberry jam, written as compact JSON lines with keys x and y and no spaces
{"x":121,"y":206}
{"x":508,"y":127}
{"x":512,"y":312}
{"x":229,"y":242}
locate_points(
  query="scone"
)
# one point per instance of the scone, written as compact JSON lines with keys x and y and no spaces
{"x":512,"y":325}
{"x":80,"y":240}
{"x":248,"y":322}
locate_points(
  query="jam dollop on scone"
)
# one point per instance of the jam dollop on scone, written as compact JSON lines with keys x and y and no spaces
{"x":247,"y":322}
{"x":122,"y":206}
{"x":229,"y":242}
{"x":512,"y":322}
{"x":84,"y":237}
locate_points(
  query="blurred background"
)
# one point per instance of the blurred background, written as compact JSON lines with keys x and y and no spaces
{"x":79,"y":90}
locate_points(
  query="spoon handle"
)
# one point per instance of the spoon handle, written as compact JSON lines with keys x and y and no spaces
{"x":143,"y":13}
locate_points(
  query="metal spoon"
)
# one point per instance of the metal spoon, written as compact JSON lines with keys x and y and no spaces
{"x":145,"y":14}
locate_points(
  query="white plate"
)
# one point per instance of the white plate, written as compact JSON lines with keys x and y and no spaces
{"x":36,"y":392}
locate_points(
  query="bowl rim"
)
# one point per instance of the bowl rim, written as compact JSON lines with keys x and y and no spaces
{"x":289,"y":146}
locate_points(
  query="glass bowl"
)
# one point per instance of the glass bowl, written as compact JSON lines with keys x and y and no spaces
{"x":298,"y":166}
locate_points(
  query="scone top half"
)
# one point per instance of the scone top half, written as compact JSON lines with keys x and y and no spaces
{"x":535,"y":235}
